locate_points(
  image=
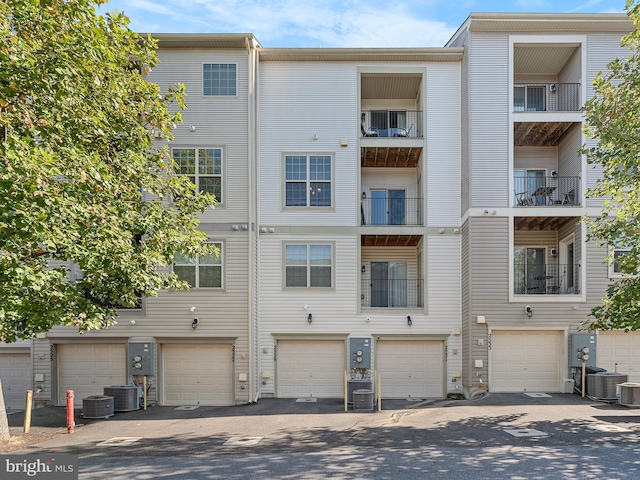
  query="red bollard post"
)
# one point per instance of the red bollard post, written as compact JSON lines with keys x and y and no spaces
{"x":70,"y":421}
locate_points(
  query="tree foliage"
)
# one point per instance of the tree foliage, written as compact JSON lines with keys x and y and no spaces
{"x":613,"y":119}
{"x":80,"y":181}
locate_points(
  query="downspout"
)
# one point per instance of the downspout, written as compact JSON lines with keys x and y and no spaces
{"x":254,"y":391}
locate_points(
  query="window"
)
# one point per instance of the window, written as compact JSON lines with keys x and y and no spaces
{"x":618,"y":268}
{"x":529,"y":98}
{"x":308,"y":265}
{"x":219,"y":79}
{"x":204,"y":271}
{"x":308,"y":180}
{"x":203,"y":166}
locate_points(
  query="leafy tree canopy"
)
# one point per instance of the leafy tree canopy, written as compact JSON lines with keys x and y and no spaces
{"x":80,"y":181}
{"x":613,"y":119}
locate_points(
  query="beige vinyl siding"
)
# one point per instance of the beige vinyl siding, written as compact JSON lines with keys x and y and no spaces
{"x":572,"y":71}
{"x":465,"y":136}
{"x":537,"y":158}
{"x":569,"y":160}
{"x":219,"y":121}
{"x":42,"y":364}
{"x":601,"y":49}
{"x":467,"y":321}
{"x":489,"y":137}
{"x":298,"y":100}
{"x":443,"y":144}
{"x":390,"y":179}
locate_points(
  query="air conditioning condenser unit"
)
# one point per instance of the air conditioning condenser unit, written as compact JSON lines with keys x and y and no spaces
{"x":630,"y":394}
{"x":97,"y":406}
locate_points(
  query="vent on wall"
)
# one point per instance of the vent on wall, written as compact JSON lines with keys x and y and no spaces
{"x":630,"y":394}
{"x":97,"y":406}
{"x":603,"y":385}
{"x":125,"y":397}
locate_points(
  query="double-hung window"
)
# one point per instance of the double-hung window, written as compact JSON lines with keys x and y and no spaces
{"x":219,"y":79}
{"x":308,"y":180}
{"x":617,"y":267}
{"x":203,"y":166}
{"x":203,"y":271}
{"x":308,"y":265}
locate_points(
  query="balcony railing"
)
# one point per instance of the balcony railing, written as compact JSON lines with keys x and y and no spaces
{"x":385,"y":210}
{"x":546,"y":97}
{"x":533,"y":191}
{"x":391,"y":123}
{"x":549,"y":279}
{"x":392,"y":293}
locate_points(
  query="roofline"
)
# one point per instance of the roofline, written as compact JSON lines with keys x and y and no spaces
{"x":543,"y":22}
{"x":203,"y":40}
{"x":362,"y":54}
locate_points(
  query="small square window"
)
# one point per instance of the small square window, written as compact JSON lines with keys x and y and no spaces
{"x":308,"y":265}
{"x":203,"y":271}
{"x":219,"y":79}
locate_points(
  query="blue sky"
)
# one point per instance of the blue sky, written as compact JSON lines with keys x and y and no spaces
{"x":339,"y":23}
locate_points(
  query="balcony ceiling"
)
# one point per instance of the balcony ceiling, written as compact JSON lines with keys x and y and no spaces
{"x":390,"y":87}
{"x":390,"y":240}
{"x":534,"y":59}
{"x":540,"y":134}
{"x":395,"y":157}
{"x":543,"y":223}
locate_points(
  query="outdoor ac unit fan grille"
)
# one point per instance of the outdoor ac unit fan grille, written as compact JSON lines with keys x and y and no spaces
{"x":603,"y":385}
{"x":353,"y":385}
{"x":97,"y":406}
{"x":125,"y":397}
{"x":630,"y":394}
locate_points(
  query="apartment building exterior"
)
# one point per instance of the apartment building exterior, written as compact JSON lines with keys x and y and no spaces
{"x":529,"y":275}
{"x":383,"y":214}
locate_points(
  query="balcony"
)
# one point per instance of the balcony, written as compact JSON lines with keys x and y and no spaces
{"x":396,"y":210}
{"x":535,"y":191}
{"x":391,"y":123}
{"x":546,"y":97}
{"x":398,"y":293}
{"x":546,"y":279}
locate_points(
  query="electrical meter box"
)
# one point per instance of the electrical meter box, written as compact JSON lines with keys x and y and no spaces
{"x":582,"y":347}
{"x":141,"y":359}
{"x":360,"y":354}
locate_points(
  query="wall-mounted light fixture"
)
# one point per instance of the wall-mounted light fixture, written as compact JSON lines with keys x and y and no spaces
{"x":553,"y":88}
{"x":363,"y":268}
{"x":409,"y":321}
{"x":132,"y":322}
{"x":315,"y":136}
{"x":364,"y":194}
{"x":192,"y":128}
{"x":195,"y":323}
{"x":192,"y":309}
{"x":554,"y":174}
{"x":528,"y":310}
{"x":310,"y":318}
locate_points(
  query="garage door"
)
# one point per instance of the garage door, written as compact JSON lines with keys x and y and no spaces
{"x":622,"y":348}
{"x":310,"y":368}
{"x":526,"y":361}
{"x":88,"y":368}
{"x":410,"y":369}
{"x":198,"y":374}
{"x":15,"y":372}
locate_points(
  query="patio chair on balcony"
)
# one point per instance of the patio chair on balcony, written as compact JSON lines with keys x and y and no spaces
{"x":367,"y":132}
{"x":523,"y":199}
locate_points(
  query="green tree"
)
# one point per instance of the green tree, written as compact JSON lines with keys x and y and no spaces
{"x":80,"y":180}
{"x":613,"y":119}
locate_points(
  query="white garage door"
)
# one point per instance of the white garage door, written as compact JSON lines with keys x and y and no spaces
{"x":15,"y":372}
{"x":313,"y":368}
{"x":621,"y":348}
{"x":198,"y":374}
{"x":526,"y":361}
{"x":410,"y":369}
{"x":88,"y":368}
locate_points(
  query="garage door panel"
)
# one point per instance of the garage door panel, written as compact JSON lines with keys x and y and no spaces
{"x":621,"y":348}
{"x":15,"y":372}
{"x":411,"y":368}
{"x":197,"y":374}
{"x":88,"y":368}
{"x":526,"y":361}
{"x":310,"y":368}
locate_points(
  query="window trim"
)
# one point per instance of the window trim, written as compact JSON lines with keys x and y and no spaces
{"x":611,"y":264}
{"x":223,"y":172}
{"x":223,"y":268}
{"x":202,"y":80}
{"x":283,"y":179}
{"x":308,"y":244}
